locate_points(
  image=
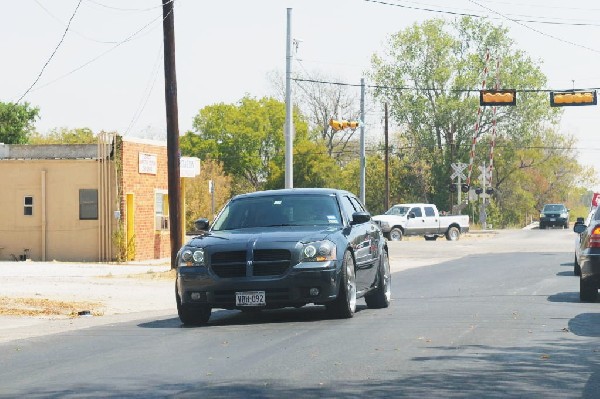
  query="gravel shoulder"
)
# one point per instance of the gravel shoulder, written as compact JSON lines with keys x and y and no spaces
{"x":101,"y":294}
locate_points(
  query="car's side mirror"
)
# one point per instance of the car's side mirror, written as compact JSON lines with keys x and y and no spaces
{"x":360,"y":217}
{"x":201,"y":224}
{"x":579,"y":228}
{"x":411,"y":215}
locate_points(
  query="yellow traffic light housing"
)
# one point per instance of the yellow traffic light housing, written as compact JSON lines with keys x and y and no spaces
{"x":353,"y":124}
{"x":497,"y":97}
{"x":572,"y":98}
{"x":337,"y":125}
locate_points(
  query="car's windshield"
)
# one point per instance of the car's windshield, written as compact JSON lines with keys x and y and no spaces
{"x":397,"y":210}
{"x":554,"y":208}
{"x":279,"y":210}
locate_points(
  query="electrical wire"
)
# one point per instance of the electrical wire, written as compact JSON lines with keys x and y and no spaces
{"x":127,"y":9}
{"x":51,"y":55}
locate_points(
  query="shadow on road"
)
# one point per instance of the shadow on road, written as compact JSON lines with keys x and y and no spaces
{"x":219,"y":317}
{"x":569,"y":274}
{"x":572,"y":297}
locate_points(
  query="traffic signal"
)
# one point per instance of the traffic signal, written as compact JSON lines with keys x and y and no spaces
{"x":464,"y":188}
{"x":343,"y":124}
{"x":497,"y":97}
{"x":337,"y":125}
{"x":489,"y":191}
{"x":452,"y":187}
{"x":478,"y":190}
{"x":572,"y":98}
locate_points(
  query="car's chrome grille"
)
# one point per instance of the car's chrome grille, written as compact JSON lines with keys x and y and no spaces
{"x":267,"y":262}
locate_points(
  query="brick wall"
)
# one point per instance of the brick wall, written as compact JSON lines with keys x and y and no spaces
{"x":149,"y":243}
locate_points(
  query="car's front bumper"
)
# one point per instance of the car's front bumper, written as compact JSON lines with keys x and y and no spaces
{"x":290,"y":289}
{"x":553,"y":221}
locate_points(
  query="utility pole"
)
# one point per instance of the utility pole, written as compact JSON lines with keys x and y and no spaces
{"x":362,"y":140}
{"x":289,"y":134}
{"x":387,"y":162}
{"x":173,"y":155}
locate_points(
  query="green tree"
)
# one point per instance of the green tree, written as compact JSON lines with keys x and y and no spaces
{"x":440,"y":64}
{"x":16,"y":122}
{"x":246,"y":137}
{"x":64,"y":135}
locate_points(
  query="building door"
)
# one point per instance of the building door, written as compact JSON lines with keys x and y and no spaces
{"x":130,"y":227}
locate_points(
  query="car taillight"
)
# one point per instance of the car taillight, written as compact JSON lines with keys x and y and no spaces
{"x":594,"y":241}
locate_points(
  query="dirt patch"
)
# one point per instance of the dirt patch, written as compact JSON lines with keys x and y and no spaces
{"x":47,"y":307}
{"x":168,"y":275}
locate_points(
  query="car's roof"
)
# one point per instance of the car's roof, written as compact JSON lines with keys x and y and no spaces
{"x":414,"y":204}
{"x":294,"y":191}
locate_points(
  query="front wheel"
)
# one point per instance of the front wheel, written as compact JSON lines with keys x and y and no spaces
{"x":381,"y":296}
{"x":396,"y":234}
{"x":192,"y":315}
{"x":344,"y":306}
{"x":576,"y":267}
{"x":453,"y":234}
{"x":588,"y":292}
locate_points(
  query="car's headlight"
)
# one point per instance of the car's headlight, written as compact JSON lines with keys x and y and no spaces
{"x":318,"y":251}
{"x":564,"y":215}
{"x":542,"y":215}
{"x":384,"y":224}
{"x":192,"y":257}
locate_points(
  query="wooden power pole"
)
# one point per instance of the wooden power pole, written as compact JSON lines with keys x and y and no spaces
{"x":387,"y":162}
{"x":172,"y":130}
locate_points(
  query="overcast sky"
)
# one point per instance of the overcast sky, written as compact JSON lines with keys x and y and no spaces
{"x":108,"y":72}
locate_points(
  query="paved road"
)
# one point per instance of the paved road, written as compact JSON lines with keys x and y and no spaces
{"x":493,"y":318}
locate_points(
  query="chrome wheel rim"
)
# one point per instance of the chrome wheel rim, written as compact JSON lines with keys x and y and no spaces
{"x":351,"y":284}
{"x":387,"y":277}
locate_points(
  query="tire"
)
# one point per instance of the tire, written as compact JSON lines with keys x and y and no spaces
{"x":430,"y":238}
{"x":396,"y":234}
{"x":380,"y":297}
{"x":196,"y":315}
{"x":566,"y":226}
{"x":576,"y":267}
{"x":453,"y":234}
{"x":588,"y":292}
{"x":542,"y":226}
{"x":344,"y":306}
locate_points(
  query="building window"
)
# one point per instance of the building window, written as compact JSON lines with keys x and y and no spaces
{"x":88,"y":204}
{"x":28,"y":205}
{"x":161,"y":210}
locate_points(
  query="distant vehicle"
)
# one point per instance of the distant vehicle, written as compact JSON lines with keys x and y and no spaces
{"x":585,"y":221}
{"x":587,"y":257}
{"x":284,"y":248}
{"x":554,"y":215}
{"x":421,"y":220}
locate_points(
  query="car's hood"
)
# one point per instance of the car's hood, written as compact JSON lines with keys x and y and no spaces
{"x":263,"y":234}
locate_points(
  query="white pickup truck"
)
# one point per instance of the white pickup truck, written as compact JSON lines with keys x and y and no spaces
{"x":421,"y":220}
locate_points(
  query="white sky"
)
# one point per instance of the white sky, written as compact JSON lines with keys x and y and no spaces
{"x":226,"y":48}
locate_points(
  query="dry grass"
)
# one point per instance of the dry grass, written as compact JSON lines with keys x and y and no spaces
{"x":46,"y":307}
{"x":159,"y":276}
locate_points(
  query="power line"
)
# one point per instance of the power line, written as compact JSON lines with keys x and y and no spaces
{"x":127,"y":9}
{"x":51,"y":55}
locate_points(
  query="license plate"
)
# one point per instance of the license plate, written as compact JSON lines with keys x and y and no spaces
{"x":552,"y":219}
{"x":250,"y":298}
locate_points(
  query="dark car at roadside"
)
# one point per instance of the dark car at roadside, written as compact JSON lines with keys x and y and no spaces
{"x":284,"y":248}
{"x":554,"y":215}
{"x":587,"y":257}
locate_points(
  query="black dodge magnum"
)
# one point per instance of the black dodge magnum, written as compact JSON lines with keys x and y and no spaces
{"x":285,"y":248}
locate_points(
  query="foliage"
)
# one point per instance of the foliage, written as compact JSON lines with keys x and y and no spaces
{"x":16,"y":122}
{"x":125,"y":249}
{"x":64,"y":135}
{"x":198,"y":200}
{"x":442,"y":62}
{"x":246,"y":137}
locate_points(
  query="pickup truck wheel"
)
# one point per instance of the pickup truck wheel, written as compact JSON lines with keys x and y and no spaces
{"x":381,"y":296}
{"x":576,"y":267}
{"x":396,"y":234}
{"x":453,"y":234}
{"x":430,"y":238}
{"x":588,"y":292}
{"x":192,"y":315}
{"x":344,"y":306}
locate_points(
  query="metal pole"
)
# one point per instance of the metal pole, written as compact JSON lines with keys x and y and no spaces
{"x":362,"y":140}
{"x":172,"y":131}
{"x":289,"y":134}
{"x":387,"y":162}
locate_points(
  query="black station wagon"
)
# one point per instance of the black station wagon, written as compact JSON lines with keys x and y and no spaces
{"x":284,"y":248}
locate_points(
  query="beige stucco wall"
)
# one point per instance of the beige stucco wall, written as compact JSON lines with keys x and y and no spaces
{"x":66,"y":237}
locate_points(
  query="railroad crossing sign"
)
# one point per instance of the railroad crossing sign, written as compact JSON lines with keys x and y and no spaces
{"x":458,"y":170}
{"x":486,"y":175}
